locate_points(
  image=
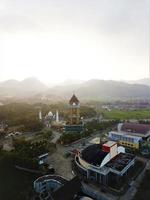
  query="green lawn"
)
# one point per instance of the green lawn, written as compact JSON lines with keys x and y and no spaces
{"x":14,"y":184}
{"x":122,"y":115}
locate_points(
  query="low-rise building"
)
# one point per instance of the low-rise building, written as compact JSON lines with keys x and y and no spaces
{"x":99,"y":163}
{"x":55,"y":187}
{"x":125,"y":139}
{"x":130,"y":134}
{"x":135,"y":129}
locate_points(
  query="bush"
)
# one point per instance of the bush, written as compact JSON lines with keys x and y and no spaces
{"x":68,"y":138}
{"x":46,"y":133}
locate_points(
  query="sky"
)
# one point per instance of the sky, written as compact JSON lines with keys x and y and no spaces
{"x":55,"y":40}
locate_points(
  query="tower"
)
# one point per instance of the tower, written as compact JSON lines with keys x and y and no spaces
{"x":57,"y":116}
{"x":74,"y":124}
{"x":74,"y":111}
{"x":40,"y":115}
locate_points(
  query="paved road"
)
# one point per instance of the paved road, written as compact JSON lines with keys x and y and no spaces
{"x":56,"y":136}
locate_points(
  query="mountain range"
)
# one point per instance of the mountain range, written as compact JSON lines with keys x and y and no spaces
{"x":144,"y":81}
{"x":19,"y":89}
{"x":93,"y":89}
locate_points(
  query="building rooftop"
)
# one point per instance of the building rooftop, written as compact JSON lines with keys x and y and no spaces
{"x":135,"y":128}
{"x":74,"y":99}
{"x":110,"y":143}
{"x":125,"y":134}
{"x":120,"y":161}
{"x":93,"y":154}
{"x":52,"y":177}
{"x":68,"y":191}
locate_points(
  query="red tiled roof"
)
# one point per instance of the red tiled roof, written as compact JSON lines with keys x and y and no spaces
{"x":136,"y":128}
{"x":74,"y":99}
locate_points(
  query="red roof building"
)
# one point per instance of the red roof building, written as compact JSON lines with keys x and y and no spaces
{"x":135,"y":129}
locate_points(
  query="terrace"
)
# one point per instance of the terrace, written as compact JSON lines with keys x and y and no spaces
{"x":120,"y":162}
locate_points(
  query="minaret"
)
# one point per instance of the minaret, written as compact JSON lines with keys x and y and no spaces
{"x":40,"y":115}
{"x":74,"y":111}
{"x":57,"y":116}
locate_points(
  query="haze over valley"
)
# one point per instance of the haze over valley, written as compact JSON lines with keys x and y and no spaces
{"x":94,"y":89}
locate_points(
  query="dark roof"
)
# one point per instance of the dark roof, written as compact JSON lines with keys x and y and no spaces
{"x":68,"y":191}
{"x":93,"y":154}
{"x":120,"y":161}
{"x":74,"y":99}
{"x":136,"y":128}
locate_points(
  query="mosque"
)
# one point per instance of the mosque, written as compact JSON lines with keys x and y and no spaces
{"x":73,"y":123}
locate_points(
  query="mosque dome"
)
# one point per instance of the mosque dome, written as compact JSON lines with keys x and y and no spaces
{"x":50,"y":114}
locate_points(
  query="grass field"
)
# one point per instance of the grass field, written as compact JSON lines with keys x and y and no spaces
{"x":14,"y":184}
{"x":122,"y":115}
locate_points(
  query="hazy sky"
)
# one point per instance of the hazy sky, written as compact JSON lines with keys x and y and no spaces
{"x":56,"y":40}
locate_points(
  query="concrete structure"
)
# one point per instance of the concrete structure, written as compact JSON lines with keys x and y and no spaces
{"x":48,"y":183}
{"x":74,"y":111}
{"x":125,"y":139}
{"x":74,"y":123}
{"x":130,"y":134}
{"x":135,"y":129}
{"x":99,"y":163}
{"x":50,"y":187}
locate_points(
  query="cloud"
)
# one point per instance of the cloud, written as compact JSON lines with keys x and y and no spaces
{"x":114,"y":32}
{"x":13,"y":23}
{"x":101,"y":15}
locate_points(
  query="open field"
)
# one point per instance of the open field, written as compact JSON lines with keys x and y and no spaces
{"x":14,"y":184}
{"x":122,"y":115}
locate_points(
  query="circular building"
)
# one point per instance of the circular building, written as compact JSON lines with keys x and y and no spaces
{"x":48,"y":183}
{"x":101,"y":163}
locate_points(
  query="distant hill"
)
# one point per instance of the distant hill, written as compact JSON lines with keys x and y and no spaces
{"x":9,"y":83}
{"x":145,"y":81}
{"x":33,"y":84}
{"x":89,"y":90}
{"x":100,"y":89}
{"x":27,"y":87}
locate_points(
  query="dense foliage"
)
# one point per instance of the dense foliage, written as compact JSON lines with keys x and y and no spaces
{"x":24,"y":117}
{"x":67,"y":138}
{"x":87,"y":112}
{"x":99,"y":126}
{"x":14,"y":184}
{"x":89,"y":129}
{"x":26,"y":152}
{"x":45,"y":133}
